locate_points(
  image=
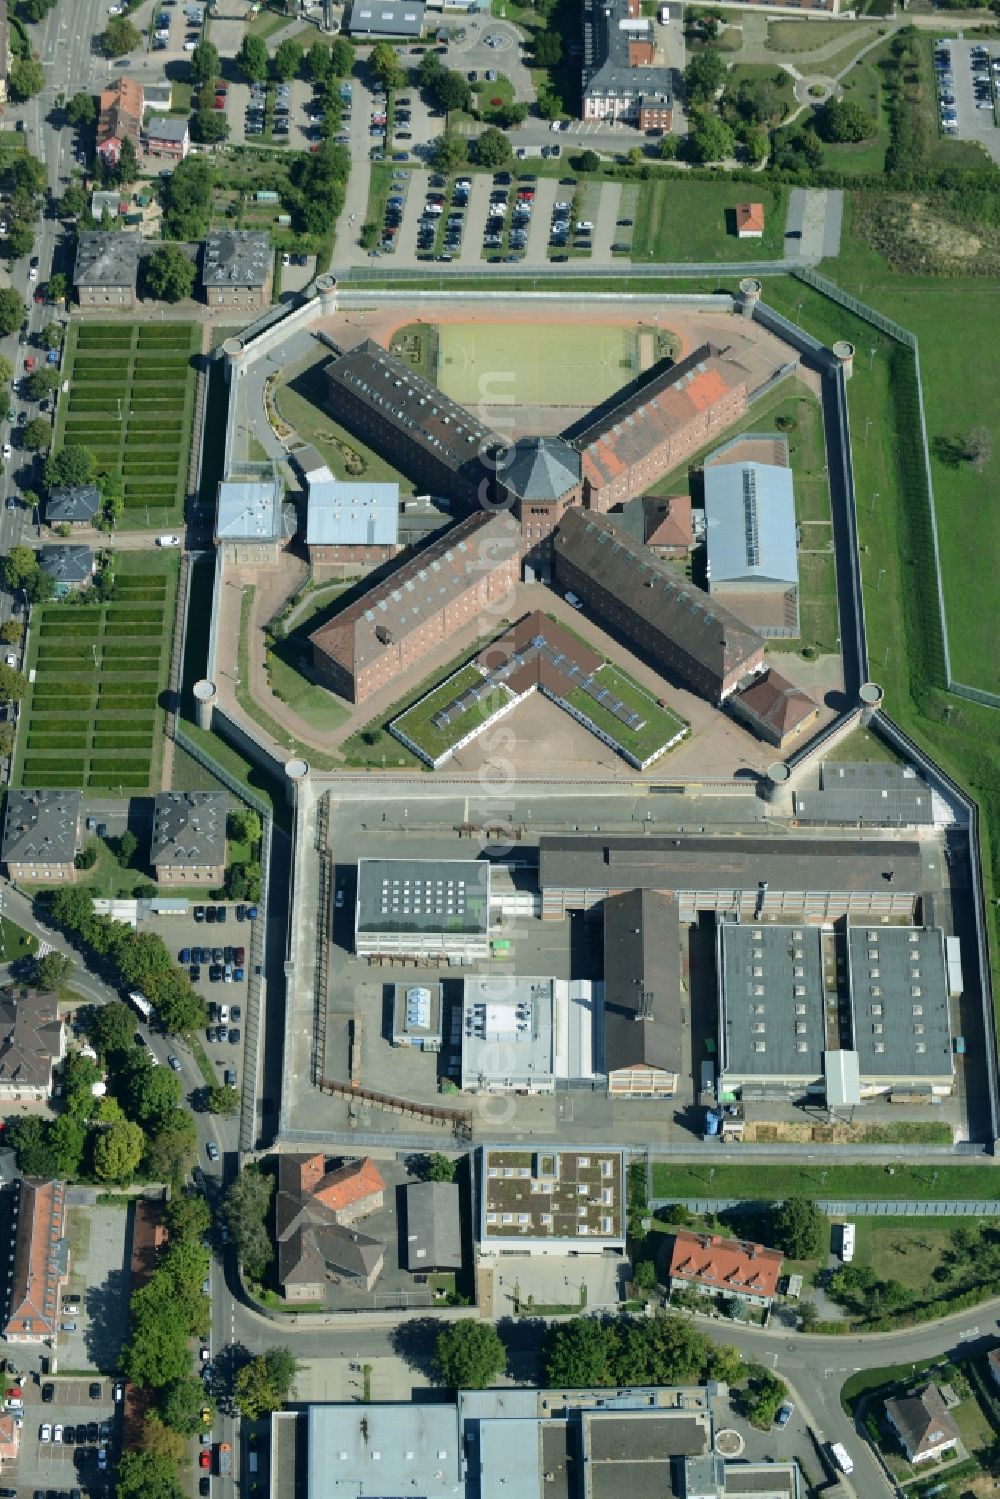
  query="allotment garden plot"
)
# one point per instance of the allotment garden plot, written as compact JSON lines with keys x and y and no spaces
{"x":131,"y":402}
{"x":93,"y":715}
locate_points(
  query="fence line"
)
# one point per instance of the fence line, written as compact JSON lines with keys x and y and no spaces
{"x":847,"y":1207}
{"x":220,"y":772}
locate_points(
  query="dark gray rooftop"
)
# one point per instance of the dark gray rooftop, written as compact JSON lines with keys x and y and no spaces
{"x":606,"y":56}
{"x":771,"y":1000}
{"x":67,"y":564}
{"x":80,"y":503}
{"x":41,"y":825}
{"x":386,"y":18}
{"x":899,"y":997}
{"x":31,"y":1036}
{"x":635,"y":1455}
{"x":423,"y":895}
{"x":541,"y":469}
{"x":189,"y":827}
{"x":571,"y":861}
{"x":892,"y":795}
{"x":236,"y":257}
{"x":642,"y":974}
{"x":163,"y":128}
{"x":106,"y":259}
{"x":433,"y":1229}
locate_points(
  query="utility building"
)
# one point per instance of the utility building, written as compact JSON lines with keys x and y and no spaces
{"x":428,"y":908}
{"x":644,"y":1020}
{"x":752,"y":561}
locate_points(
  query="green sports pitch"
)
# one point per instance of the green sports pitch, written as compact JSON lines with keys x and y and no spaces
{"x":534,"y":364}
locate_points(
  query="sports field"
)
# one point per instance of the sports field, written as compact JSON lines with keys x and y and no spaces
{"x":534,"y":364}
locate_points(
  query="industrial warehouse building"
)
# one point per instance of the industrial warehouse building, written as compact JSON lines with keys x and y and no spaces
{"x":643,"y":1023}
{"x":352,"y":524}
{"x":752,"y":561}
{"x":427,"y":908}
{"x":868,"y":792}
{"x":523,"y":1034}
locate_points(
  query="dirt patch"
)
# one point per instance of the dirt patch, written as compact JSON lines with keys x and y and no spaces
{"x":917,"y":239}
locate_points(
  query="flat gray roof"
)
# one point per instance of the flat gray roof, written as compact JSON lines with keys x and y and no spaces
{"x":41,"y":825}
{"x":342,"y":514}
{"x":386,"y":18}
{"x":384,"y":1449}
{"x":507,"y":1032}
{"x":236,"y":257}
{"x":189,"y":827}
{"x":570,"y":861}
{"x":750,"y":520}
{"x":876,"y":792}
{"x":423,"y":895}
{"x":433,"y":1227}
{"x":771,"y":1000}
{"x":899,"y":999}
{"x":249,"y":510}
{"x":104,"y":258}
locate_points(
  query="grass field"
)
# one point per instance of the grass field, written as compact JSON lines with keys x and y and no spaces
{"x":696,"y":222}
{"x":534,"y":364}
{"x":773,"y":1183}
{"x":131,"y":402}
{"x":300,"y":402}
{"x":93,"y":716}
{"x":15,"y":942}
{"x":416,"y":723}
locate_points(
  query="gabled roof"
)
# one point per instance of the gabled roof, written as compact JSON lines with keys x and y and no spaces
{"x":749,"y":218}
{"x":642,"y":978}
{"x":41,"y":1261}
{"x":725,"y":1265}
{"x":668,"y":520}
{"x":922,"y":1421}
{"x":120,"y":117}
{"x":433,"y":1227}
{"x":349,"y":1185}
{"x":79,"y":503}
{"x":750,"y":522}
{"x":310,"y":1240}
{"x":776,"y":702}
{"x":305,"y":1257}
{"x":31,"y":1038}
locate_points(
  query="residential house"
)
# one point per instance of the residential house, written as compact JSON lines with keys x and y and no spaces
{"x":71,"y":568}
{"x":188,"y":841}
{"x":32,"y":1044}
{"x":75,"y":506}
{"x":315,"y":1212}
{"x":713,"y":1266}
{"x":750,"y":221}
{"x":119,"y":119}
{"x":41,"y":835}
{"x":166,"y":135}
{"x":775,"y":709}
{"x":237,"y":268}
{"x":107,"y":268}
{"x":923,"y":1425}
{"x":39,"y":1262}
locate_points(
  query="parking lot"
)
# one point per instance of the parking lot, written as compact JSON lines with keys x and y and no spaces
{"x":85,"y":1417}
{"x":272,"y":114}
{"x":968,"y":90}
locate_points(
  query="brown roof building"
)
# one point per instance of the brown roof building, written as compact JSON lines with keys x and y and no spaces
{"x":923,"y":1425}
{"x":724,"y":1267}
{"x":148,"y":1238}
{"x":643,"y":1022}
{"x":40,"y":1262}
{"x":314,"y":1212}
{"x":424,"y":602}
{"x":673,"y":623}
{"x":775,"y":709}
{"x":749,"y":220}
{"x":32,"y":1042}
{"x":120,"y":118}
{"x":660,"y":420}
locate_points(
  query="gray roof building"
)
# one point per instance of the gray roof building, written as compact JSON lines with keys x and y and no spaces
{"x":433,"y":1227}
{"x":385,"y":1449}
{"x":69,"y":566}
{"x":609,"y":31}
{"x":541,"y":469}
{"x":643,"y":1022}
{"x":386,"y":18}
{"x":31,"y":1040}
{"x":109,"y":259}
{"x":236,"y":257}
{"x":170,"y":129}
{"x":41,"y":827}
{"x":882,"y":793}
{"x":341,"y":514}
{"x":772,"y":1011}
{"x":750,"y":521}
{"x":158,"y":96}
{"x":249,"y":510}
{"x":923,"y":1423}
{"x":508,"y":1035}
{"x":75,"y":506}
{"x":423,"y":897}
{"x":189,"y":827}
{"x":899,"y":1002}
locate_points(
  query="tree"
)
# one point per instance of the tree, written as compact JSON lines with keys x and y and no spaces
{"x":127,"y":169}
{"x":430,"y":69}
{"x":469,"y":1355}
{"x":205,"y":64}
{"x":492,"y":148}
{"x":808,"y":1313}
{"x":29,"y":1138}
{"x":548,"y":49}
{"x":842,"y":120}
{"x":318,"y":62}
{"x":118,"y":1151}
{"x":251,"y":59}
{"x":147,"y":1093}
{"x":587,"y":161}
{"x":246,"y":1209}
{"x":72,"y":203}
{"x":110,"y":1026}
{"x":725,"y":1364}
{"x":72,"y":466}
{"x":800,"y":1229}
{"x":170,"y":273}
{"x":12,"y":685}
{"x":67,"y":1138}
{"x":187,"y":198}
{"x":644,"y":1275}
{"x":21,"y":237}
{"x":181,"y":1405}
{"x":52,"y":337}
{"x":180,"y":1009}
{"x":25,"y":78}
{"x":187,"y":1216}
{"x":265,"y":1383}
{"x":577,"y":1355}
{"x":146,"y":1475}
{"x":704,"y":76}
{"x":157,"y":1352}
{"x":765,"y":1395}
{"x":12,"y":310}
{"x":224,"y":1101}
{"x":41,"y":383}
{"x":141,"y":956}
{"x":450,"y":152}
{"x":53,"y":972}
{"x":244,"y":826}
{"x":209,"y":126}
{"x":385,"y":65}
{"x":440,"y":1168}
{"x":35,"y":10}
{"x":341,"y":57}
{"x":287,"y":60}
{"x":713,"y":140}
{"x":29,"y":175}
{"x":451,"y":91}
{"x":11,"y":632}
{"x":119,"y":37}
{"x":19,"y":567}
{"x":161,"y":1440}
{"x":81,"y":111}
{"x":760,"y":100}
{"x":37,"y":435}
{"x":173,"y":1150}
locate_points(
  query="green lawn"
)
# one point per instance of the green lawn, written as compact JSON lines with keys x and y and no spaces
{"x":861,"y":744}
{"x":750,"y":72}
{"x":416,"y":723}
{"x":658,"y":727}
{"x":15,"y":942}
{"x":93,"y":716}
{"x":313,"y":703}
{"x":772,"y":1183}
{"x":806,"y":36}
{"x":256,"y":710}
{"x":300,"y":402}
{"x":535,"y":363}
{"x":272,"y":17}
{"x":696,"y":221}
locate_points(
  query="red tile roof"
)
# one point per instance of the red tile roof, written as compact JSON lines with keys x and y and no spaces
{"x":349,"y":1185}
{"x":750,"y":218}
{"x":669,"y":521}
{"x":41,"y":1261}
{"x":776,"y":702}
{"x":725,"y":1264}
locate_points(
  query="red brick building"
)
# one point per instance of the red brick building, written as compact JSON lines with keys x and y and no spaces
{"x":472,"y":567}
{"x":120,"y":119}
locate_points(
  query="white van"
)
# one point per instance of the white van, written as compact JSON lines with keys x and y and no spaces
{"x":841,"y":1457}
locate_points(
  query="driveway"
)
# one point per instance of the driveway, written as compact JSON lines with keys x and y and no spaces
{"x":475,"y":54}
{"x":812,"y":227}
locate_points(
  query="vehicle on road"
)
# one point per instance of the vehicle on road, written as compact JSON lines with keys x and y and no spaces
{"x":168,"y":541}
{"x":841,"y":1457}
{"x":784,"y":1414}
{"x":212,"y":1150}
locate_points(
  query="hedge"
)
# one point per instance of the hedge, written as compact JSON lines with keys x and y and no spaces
{"x":59,"y":767}
{"x":142,"y":613}
{"x":115,"y":762}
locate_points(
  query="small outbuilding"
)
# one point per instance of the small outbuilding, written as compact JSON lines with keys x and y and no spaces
{"x":749,"y":221}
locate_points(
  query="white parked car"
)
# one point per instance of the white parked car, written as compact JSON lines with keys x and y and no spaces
{"x":168,"y":541}
{"x":45,"y":1432}
{"x":7,"y":450}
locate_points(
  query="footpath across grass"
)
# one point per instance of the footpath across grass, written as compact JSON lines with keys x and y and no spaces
{"x":774,"y":1183}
